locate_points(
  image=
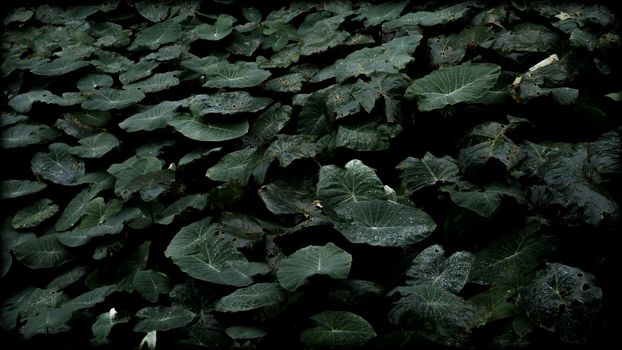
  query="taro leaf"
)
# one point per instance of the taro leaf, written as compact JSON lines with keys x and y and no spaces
{"x":150,"y":284}
{"x":18,"y":188}
{"x":357,"y":182}
{"x":57,"y":166}
{"x":107,"y":99}
{"x":137,"y":71}
{"x":23,"y":102}
{"x":251,"y":297}
{"x":285,"y":83}
{"x":8,"y":240}
{"x":157,"y":35}
{"x":97,"y":211}
{"x":563,"y":299}
{"x":11,"y":118}
{"x":196,"y":201}
{"x":428,"y":171}
{"x":42,"y":252}
{"x":204,"y":255}
{"x":114,"y":225}
{"x":227,"y":103}
{"x":154,"y":12}
{"x":374,"y":15}
{"x":89,"y":299}
{"x":464,"y":83}
{"x":95,"y":146}
{"x":94,"y":82}
{"x":390,"y":57}
{"x":269,"y":123}
{"x":389,"y":87}
{"x":154,"y":117}
{"x":573,"y":15}
{"x":277,"y":34}
{"x":210,"y":130}
{"x":244,"y":44}
{"x":338,"y":329}
{"x":132,"y":175}
{"x":315,"y":119}
{"x":104,"y":323}
{"x":483,"y":201}
{"x":500,"y":302}
{"x":218,"y":30}
{"x":162,"y":318}
{"x":428,"y":18}
{"x":155,"y":83}
{"x":322,"y":35}
{"x":605,"y":153}
{"x":288,"y":148}
{"x":509,"y":258}
{"x":34,"y":214}
{"x":443,"y":317}
{"x":74,"y":124}
{"x":289,"y":196}
{"x":527,"y":37}
{"x":234,"y":75}
{"x":431,"y":267}
{"x":295,"y":270}
{"x":21,"y":135}
{"x":235,"y":166}
{"x":383,"y":223}
{"x":111,"y":62}
{"x":491,"y":142}
{"x":59,"y":66}
{"x":282,"y":59}
{"x":196,"y":154}
{"x":75,"y":209}
{"x":366,"y":136}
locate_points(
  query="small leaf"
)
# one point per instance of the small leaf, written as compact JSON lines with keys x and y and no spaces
{"x":218,"y":30}
{"x":329,"y":259}
{"x":338,"y":329}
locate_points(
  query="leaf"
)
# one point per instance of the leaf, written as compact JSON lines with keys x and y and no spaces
{"x":150,"y":284}
{"x":198,"y":153}
{"x":289,"y":196}
{"x":355,"y":183}
{"x":373,"y":15}
{"x":134,"y":168}
{"x":202,"y":254}
{"x":114,"y":225}
{"x":196,"y":201}
{"x":95,"y":146}
{"x":338,"y":329}
{"x":500,"y":300}
{"x":390,"y":57}
{"x":245,"y":332}
{"x":491,"y":143}
{"x":322,"y":35}
{"x":154,"y":117}
{"x":154,"y":12}
{"x":211,"y":130}
{"x":482,"y":201}
{"x":162,"y":318}
{"x":431,"y":267}
{"x":366,"y":136}
{"x":235,"y":166}
{"x":21,"y":135}
{"x":382,"y":223}
{"x":18,"y":188}
{"x":416,"y":173}
{"x":89,"y":299}
{"x":104,"y":323}
{"x":157,"y":35}
{"x":252,"y":297}
{"x":236,"y":75}
{"x":563,"y":299}
{"x":511,"y":256}
{"x":442,"y":316}
{"x":59,"y":66}
{"x":75,"y":209}
{"x":107,"y":99}
{"x":315,"y":119}
{"x":295,"y":270}
{"x":218,"y":30}
{"x":57,"y":166}
{"x":8,"y":240}
{"x":389,"y":87}
{"x":42,"y":252}
{"x":34,"y":214}
{"x":137,"y":71}
{"x":288,"y":148}
{"x":269,"y":123}
{"x":527,"y":37}
{"x":155,"y":83}
{"x":464,"y":83}
{"x":429,"y":18}
{"x":227,"y":103}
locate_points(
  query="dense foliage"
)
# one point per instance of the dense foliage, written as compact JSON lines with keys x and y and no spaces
{"x":323,"y":174}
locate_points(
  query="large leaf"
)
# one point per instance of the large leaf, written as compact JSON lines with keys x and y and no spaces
{"x":295,"y":270}
{"x":289,"y":196}
{"x":155,"y":83}
{"x":75,"y":209}
{"x":288,"y":148}
{"x":374,"y":15}
{"x":23,"y":134}
{"x":389,"y":87}
{"x":366,"y":136}
{"x":43,"y":252}
{"x":563,"y":299}
{"x":218,"y":30}
{"x":315,"y":119}
{"x":483,"y":201}
{"x":211,"y":130}
{"x":490,"y":142}
{"x":383,"y":223}
{"x":58,"y":166}
{"x":162,"y":318}
{"x":464,"y":83}
{"x":157,"y":35}
{"x":431,"y":267}
{"x":251,"y":297}
{"x":228,"y":103}
{"x":338,"y":329}
{"x":269,"y":123}
{"x":429,"y":18}
{"x":236,"y":75}
{"x":95,"y":146}
{"x":319,"y":34}
{"x":152,"y":118}
{"x":107,"y":99}
{"x":354,"y":183}
{"x":59,"y":66}
{"x":428,"y":171}
{"x":235,"y":166}
{"x":18,"y":188}
{"x":34,"y":214}
{"x":150,"y":284}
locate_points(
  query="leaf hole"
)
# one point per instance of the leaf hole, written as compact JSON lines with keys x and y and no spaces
{"x":579,"y":274}
{"x":585,"y":287}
